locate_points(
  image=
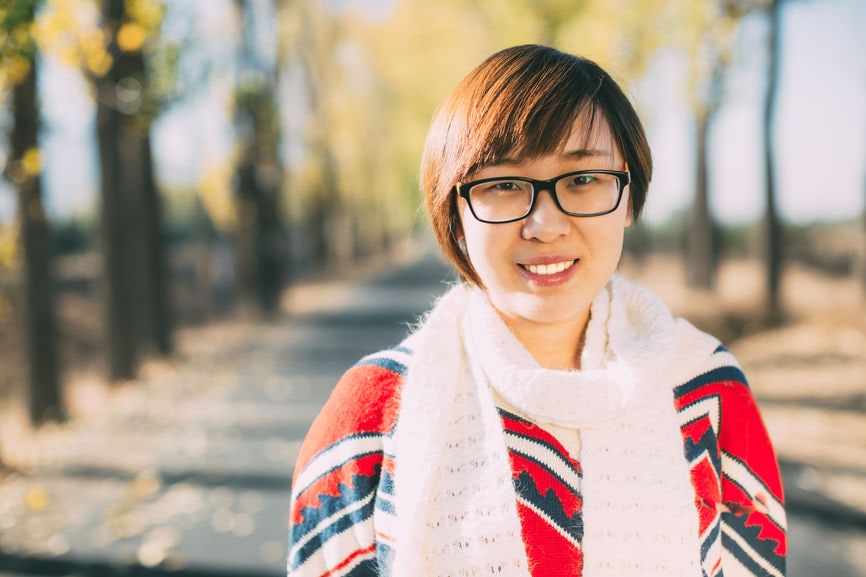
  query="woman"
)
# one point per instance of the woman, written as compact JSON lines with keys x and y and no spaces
{"x":548,"y":417}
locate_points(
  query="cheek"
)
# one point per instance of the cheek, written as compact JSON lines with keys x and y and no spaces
{"x":605,"y":235}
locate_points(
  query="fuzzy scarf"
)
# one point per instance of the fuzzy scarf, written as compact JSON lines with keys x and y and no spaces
{"x":455,"y":500}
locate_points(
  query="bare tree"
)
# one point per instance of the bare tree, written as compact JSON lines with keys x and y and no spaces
{"x":45,"y":399}
{"x":136,"y":299}
{"x":862,"y":257}
{"x":772,"y":252}
{"x":260,"y":237}
{"x":326,"y":215}
{"x":701,"y":245}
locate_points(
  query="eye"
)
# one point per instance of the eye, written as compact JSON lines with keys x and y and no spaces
{"x":501,"y":186}
{"x":505,"y":185}
{"x":583,"y":180}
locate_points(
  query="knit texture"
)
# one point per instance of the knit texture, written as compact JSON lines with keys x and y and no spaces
{"x":638,"y":502}
{"x":347,"y":520}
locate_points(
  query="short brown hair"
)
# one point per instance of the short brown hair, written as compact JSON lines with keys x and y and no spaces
{"x":520,"y":103}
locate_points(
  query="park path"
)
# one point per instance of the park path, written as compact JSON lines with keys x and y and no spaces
{"x":187,"y":471}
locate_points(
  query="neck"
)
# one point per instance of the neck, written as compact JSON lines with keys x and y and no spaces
{"x":554,"y":346}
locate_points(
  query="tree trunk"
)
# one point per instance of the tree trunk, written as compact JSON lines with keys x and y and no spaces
{"x":701,"y":246}
{"x":117,"y":223}
{"x":260,"y":240}
{"x":161,"y":318}
{"x":138,"y":311}
{"x":772,"y":251}
{"x":858,"y":270}
{"x":45,"y":398}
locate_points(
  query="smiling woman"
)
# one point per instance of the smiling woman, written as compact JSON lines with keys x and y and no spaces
{"x":548,"y":417}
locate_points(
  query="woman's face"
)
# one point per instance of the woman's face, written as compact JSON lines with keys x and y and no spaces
{"x":548,"y":268}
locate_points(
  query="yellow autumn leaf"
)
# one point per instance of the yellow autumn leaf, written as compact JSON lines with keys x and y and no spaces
{"x":131,"y":37}
{"x":36,"y":499}
{"x":99,"y":62}
{"x":92,"y":41}
{"x":20,"y":38}
{"x":148,"y":13}
{"x":217,"y":197}
{"x":31,"y":161}
{"x":19,"y":68}
{"x":9,"y":245}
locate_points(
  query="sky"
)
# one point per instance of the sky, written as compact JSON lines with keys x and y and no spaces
{"x":820,"y":128}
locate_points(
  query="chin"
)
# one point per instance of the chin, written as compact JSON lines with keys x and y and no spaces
{"x":546,"y":310}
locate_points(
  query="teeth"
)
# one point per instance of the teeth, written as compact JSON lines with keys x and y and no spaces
{"x":549,"y":268}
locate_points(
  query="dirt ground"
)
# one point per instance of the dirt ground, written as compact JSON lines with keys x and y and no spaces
{"x":809,"y":372}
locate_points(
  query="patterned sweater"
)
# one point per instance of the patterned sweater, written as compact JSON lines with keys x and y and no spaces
{"x":343,"y":508}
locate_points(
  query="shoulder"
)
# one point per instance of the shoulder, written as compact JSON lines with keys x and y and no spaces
{"x":363,"y":405}
{"x":710,"y":377}
{"x":704,"y":361}
{"x":718,"y":389}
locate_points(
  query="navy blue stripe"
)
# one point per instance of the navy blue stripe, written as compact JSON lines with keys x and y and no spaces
{"x":386,"y":483}
{"x":386,"y":505}
{"x":550,"y":505}
{"x":763,"y":547}
{"x":563,"y":482}
{"x":721,"y":374}
{"x":552,"y":448}
{"x":385,"y":556}
{"x":383,"y":362}
{"x":707,"y":443}
{"x":362,"y":487}
{"x":708,"y":542}
{"x":336,"y":468}
{"x":368,"y":568}
{"x":510,"y":415}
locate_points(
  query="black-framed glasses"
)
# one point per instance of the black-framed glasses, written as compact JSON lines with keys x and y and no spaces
{"x":510,"y":198}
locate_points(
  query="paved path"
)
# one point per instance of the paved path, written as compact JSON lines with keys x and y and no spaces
{"x":187,"y":472}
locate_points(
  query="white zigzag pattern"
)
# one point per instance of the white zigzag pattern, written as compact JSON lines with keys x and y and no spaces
{"x":738,"y":568}
{"x":707,"y":407}
{"x":327,"y":521}
{"x":336,"y":455}
{"x":551,"y":459}
{"x":742,"y":476}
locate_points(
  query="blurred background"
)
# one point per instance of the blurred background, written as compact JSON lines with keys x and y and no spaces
{"x":193,"y":190}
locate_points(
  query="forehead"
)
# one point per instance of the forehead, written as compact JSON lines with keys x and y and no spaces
{"x":589,"y":132}
{"x":589,"y":136}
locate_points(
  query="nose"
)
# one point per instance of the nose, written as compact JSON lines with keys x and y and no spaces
{"x":546,"y":222}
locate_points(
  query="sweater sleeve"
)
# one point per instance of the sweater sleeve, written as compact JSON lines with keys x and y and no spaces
{"x":754,"y":525}
{"x":735,"y":472}
{"x":339,"y":471}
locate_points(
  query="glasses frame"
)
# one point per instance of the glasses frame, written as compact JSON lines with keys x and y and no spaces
{"x":622,"y":176}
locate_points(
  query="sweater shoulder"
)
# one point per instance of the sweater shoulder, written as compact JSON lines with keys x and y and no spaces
{"x":363,"y":404}
{"x":703,"y":360}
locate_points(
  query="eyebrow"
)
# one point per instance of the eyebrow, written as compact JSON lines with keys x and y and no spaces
{"x":589,"y":153}
{"x":580,"y":153}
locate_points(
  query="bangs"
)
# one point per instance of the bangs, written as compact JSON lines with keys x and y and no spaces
{"x":528,"y":112}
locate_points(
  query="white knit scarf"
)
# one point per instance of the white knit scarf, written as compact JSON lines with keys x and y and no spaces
{"x":455,"y":500}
